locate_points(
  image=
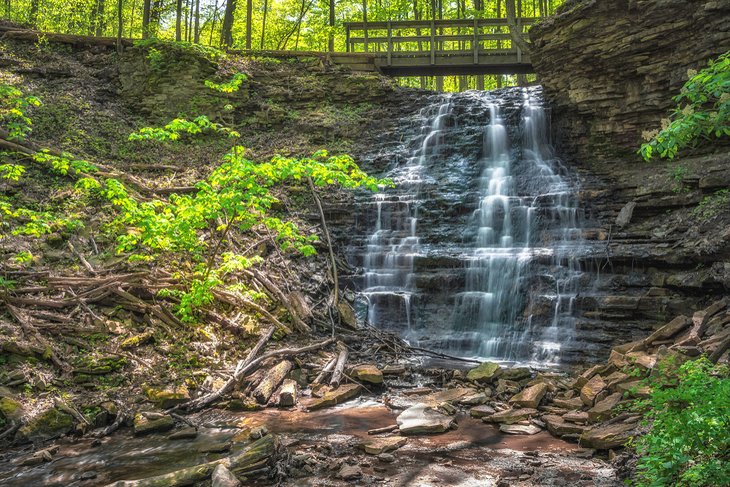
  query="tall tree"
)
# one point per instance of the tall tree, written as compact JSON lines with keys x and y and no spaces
{"x":227,"y":28}
{"x":178,"y":21}
{"x":196,"y":37}
{"x":263,"y":24}
{"x":515,"y":32}
{"x":331,"y":35}
{"x":100,"y":7}
{"x":146,"y":11}
{"x":120,"y":24}
{"x":33,"y":12}
{"x":249,"y":22}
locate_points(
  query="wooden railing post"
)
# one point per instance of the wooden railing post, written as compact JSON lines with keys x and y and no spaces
{"x":517,"y":46}
{"x":347,"y":38}
{"x":433,"y":42}
{"x":475,"y":42}
{"x":390,"y":44}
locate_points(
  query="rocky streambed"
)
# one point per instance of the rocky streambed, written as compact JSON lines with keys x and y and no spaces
{"x":401,"y":423}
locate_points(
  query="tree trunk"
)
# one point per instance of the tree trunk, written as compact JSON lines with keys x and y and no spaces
{"x":249,"y":22}
{"x":331,"y":36}
{"x":514,"y":31}
{"x":155,"y":18}
{"x":263,"y":24}
{"x":212,"y":23}
{"x":196,"y":37}
{"x":226,"y":30}
{"x":120,"y":24}
{"x":99,"y":18}
{"x":146,"y":11}
{"x":178,"y":21}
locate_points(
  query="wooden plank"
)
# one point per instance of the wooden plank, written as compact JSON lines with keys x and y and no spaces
{"x":390,"y":41}
{"x":425,"y":24}
{"x":433,"y":42}
{"x":442,"y":38}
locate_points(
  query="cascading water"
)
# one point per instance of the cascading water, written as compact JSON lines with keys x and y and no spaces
{"x":475,"y":252}
{"x":394,"y":244}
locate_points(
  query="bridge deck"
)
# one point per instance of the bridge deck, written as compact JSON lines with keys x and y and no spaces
{"x":440,"y":47}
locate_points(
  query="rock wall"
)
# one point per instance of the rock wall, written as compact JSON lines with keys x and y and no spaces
{"x":611,"y":67}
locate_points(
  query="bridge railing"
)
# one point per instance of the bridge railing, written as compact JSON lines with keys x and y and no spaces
{"x":408,"y":38}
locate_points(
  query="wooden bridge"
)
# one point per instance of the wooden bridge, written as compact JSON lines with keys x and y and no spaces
{"x":435,"y":47}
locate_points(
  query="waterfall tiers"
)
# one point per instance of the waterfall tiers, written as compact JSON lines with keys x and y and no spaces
{"x":475,"y":250}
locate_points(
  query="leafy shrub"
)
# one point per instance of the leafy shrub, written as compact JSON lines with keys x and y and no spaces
{"x":13,"y":105}
{"x":702,"y":112}
{"x":712,"y":205}
{"x":688,"y":444}
{"x":228,"y":87}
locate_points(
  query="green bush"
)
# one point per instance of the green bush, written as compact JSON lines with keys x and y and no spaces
{"x":689,"y":440}
{"x":702,"y":112}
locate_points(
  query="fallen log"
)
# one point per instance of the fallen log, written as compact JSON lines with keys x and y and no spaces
{"x":288,"y":394}
{"x":326,"y":370}
{"x":271,"y":381}
{"x":243,"y":369}
{"x":340,"y":366}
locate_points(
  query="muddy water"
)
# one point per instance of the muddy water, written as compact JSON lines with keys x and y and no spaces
{"x":474,"y":454}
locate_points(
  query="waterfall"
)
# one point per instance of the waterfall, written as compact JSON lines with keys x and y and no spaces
{"x":394,"y":244}
{"x":476,"y":250}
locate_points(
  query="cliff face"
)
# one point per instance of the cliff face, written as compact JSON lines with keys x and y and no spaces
{"x":611,"y":67}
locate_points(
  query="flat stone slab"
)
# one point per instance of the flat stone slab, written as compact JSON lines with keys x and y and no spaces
{"x":607,"y":437}
{"x":367,"y":373}
{"x":511,"y":416}
{"x":376,"y":446}
{"x":519,"y":429}
{"x":146,"y":423}
{"x":530,"y":397}
{"x":481,"y":411}
{"x":422,"y":419}
{"x":334,"y":397}
{"x":559,"y":427}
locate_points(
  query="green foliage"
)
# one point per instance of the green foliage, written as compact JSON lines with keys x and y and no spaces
{"x":228,"y":87}
{"x":11,"y":172}
{"x":688,"y":444}
{"x":677,"y":174}
{"x":13,"y":117}
{"x":22,"y":258}
{"x":65,"y":163}
{"x":702,"y":112}
{"x":712,"y":205}
{"x":6,"y":283}
{"x":155,"y":58}
{"x":173,"y":130}
{"x":39,"y":223}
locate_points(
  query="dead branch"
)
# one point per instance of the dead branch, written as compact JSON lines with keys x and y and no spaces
{"x":340,"y":366}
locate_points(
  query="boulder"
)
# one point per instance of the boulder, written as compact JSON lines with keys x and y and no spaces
{"x":49,"y":424}
{"x":337,"y":396}
{"x":422,"y":419}
{"x":616,"y":378}
{"x":516,"y":373}
{"x":376,"y":446}
{"x":394,"y":370}
{"x":669,"y":330}
{"x":349,"y":472}
{"x":603,"y":409}
{"x":642,"y":359}
{"x":634,"y":388}
{"x":149,"y":422}
{"x":591,"y":389}
{"x":607,"y":437}
{"x":624,"y":216}
{"x":559,"y":427}
{"x":519,"y":429}
{"x":507,"y":387}
{"x":481,"y":411}
{"x":367,"y":373}
{"x":11,"y":409}
{"x":222,"y":477}
{"x":168,"y":397}
{"x":530,"y":397}
{"x":511,"y":416}
{"x":485,"y":372}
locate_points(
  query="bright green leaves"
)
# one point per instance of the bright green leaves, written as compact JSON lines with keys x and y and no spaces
{"x":180,"y":126}
{"x":11,"y":172}
{"x":65,"y":163}
{"x":702,"y":112}
{"x":688,"y":443}
{"x":39,"y":223}
{"x":228,"y":87}
{"x":13,"y":106}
